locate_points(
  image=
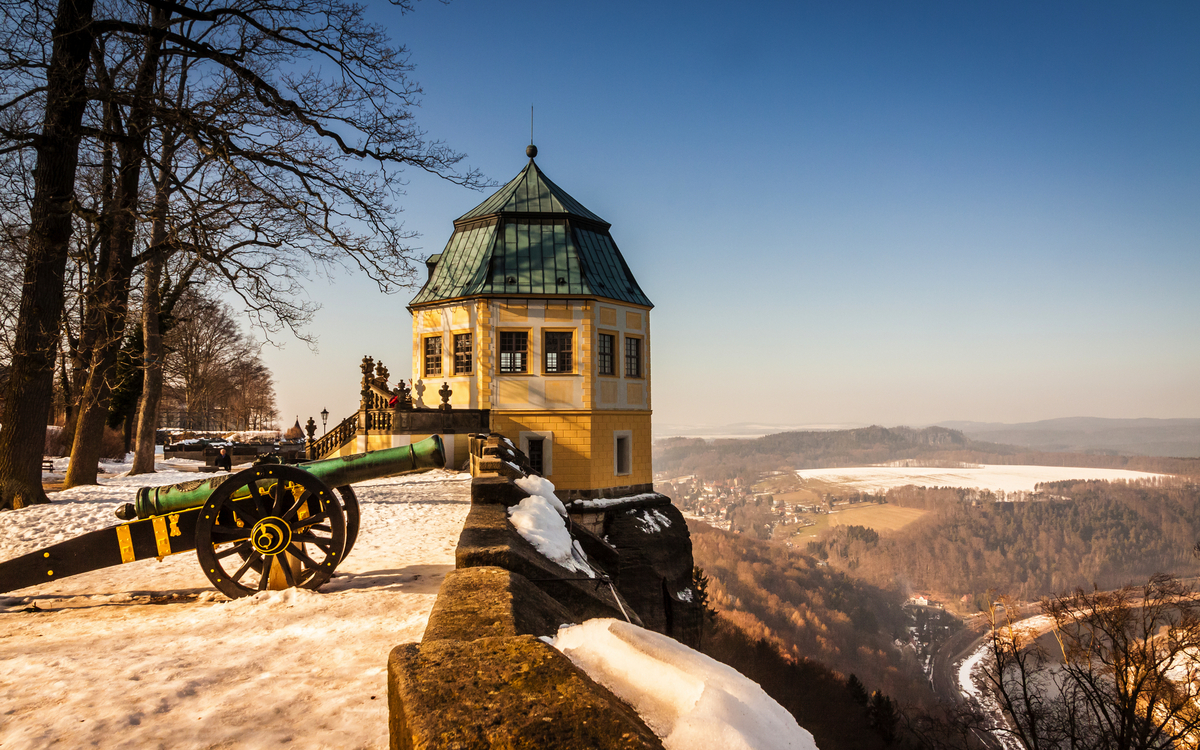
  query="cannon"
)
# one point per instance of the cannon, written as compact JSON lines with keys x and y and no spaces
{"x":270,"y":526}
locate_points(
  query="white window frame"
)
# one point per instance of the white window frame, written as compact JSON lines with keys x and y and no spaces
{"x":617,"y":435}
{"x":547,"y":449}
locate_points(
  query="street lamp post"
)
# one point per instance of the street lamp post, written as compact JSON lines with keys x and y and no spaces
{"x":324,"y":419}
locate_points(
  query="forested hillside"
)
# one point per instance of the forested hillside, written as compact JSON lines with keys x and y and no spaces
{"x":810,"y":611}
{"x":731,"y":459}
{"x":1083,"y":534}
{"x":819,"y":699}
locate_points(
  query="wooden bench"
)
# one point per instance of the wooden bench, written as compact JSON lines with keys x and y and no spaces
{"x":47,"y":464}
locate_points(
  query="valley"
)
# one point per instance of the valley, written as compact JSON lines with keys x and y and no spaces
{"x":883,"y":569}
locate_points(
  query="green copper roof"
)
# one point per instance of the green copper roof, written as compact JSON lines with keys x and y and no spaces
{"x":531,"y":192}
{"x":530,"y":238}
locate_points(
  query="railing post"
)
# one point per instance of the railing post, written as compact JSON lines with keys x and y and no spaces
{"x":310,"y":448}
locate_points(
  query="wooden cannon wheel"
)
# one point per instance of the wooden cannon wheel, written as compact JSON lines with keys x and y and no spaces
{"x":350,"y":507}
{"x":272,"y":526}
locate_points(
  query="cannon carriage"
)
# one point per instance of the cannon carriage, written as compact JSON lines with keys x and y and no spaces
{"x":267,"y":527}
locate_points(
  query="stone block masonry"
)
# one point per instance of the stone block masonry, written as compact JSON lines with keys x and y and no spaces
{"x":481,"y":679}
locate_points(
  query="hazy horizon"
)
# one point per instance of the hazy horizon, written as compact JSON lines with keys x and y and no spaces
{"x":1178,"y":438}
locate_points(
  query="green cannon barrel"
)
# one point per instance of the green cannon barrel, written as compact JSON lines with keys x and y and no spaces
{"x":334,"y":472}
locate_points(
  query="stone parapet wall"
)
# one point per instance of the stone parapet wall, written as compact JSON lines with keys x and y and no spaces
{"x":481,"y":678}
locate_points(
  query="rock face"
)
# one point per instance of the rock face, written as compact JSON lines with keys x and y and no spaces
{"x":480,"y":678}
{"x":654,"y":554}
{"x":488,"y":539}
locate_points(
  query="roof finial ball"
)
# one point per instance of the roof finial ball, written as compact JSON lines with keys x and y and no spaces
{"x":531,"y":151}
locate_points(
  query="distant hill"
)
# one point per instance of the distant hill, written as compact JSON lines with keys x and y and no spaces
{"x":741,"y":430}
{"x":1145,"y":437}
{"x":931,"y":446}
{"x":812,"y":449}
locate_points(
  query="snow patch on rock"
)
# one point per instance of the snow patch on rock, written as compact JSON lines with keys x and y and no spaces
{"x":690,"y":701}
{"x":541,"y":520}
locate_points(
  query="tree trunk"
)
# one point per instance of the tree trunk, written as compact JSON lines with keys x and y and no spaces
{"x":116,"y":267}
{"x":152,"y":358}
{"x":103,"y":324}
{"x":127,"y":428}
{"x":97,"y":390}
{"x":31,"y":384}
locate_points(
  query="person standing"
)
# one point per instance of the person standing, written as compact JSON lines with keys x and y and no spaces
{"x":225,"y":461}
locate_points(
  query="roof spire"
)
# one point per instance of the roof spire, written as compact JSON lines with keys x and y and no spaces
{"x":531,"y":150}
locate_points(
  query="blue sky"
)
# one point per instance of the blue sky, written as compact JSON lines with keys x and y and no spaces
{"x":892,"y":213}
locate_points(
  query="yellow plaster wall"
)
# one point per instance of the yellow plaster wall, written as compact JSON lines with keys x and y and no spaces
{"x":572,"y":450}
{"x":473,"y":391}
{"x":514,"y":391}
{"x":418,"y":331}
{"x":582,"y":420}
{"x":604,"y":424}
{"x":560,"y":391}
{"x":513,"y":311}
{"x":623,"y":322}
{"x":557,"y":311}
{"x":587,"y":363}
{"x":483,"y":352}
{"x":583,"y":445}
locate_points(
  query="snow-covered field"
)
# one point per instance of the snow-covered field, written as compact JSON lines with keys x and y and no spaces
{"x":149,"y":655}
{"x":994,"y":478}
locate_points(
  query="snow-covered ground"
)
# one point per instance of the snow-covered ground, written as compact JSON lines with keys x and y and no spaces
{"x":995,"y":478}
{"x":148,"y":654}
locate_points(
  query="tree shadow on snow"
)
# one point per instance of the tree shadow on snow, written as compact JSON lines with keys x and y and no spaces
{"x":63,"y":601}
{"x":413,"y":500}
{"x":411,"y":579}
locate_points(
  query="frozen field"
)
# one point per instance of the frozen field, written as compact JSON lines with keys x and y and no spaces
{"x":149,"y":655}
{"x":995,"y":478}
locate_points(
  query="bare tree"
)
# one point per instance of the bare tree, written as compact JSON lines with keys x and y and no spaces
{"x":1021,"y":678}
{"x":213,"y":372}
{"x":125,"y":131}
{"x":56,"y":143}
{"x":1128,"y":655}
{"x":291,"y":145}
{"x":1123,"y":678}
